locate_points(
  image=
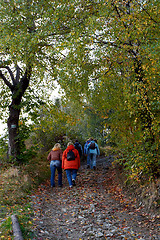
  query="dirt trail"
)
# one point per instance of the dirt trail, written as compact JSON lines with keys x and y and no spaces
{"x":94,"y":209}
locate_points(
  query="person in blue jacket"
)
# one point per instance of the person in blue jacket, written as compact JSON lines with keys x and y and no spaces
{"x":93,"y":151}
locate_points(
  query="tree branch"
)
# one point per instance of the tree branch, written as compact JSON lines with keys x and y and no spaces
{"x":6,"y":81}
{"x":10,"y":73}
{"x":25,"y":79}
{"x":110,"y":67}
{"x":17,"y":74}
{"x":148,"y":14}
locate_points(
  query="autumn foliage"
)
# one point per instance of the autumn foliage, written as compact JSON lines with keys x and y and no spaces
{"x":104,"y":56}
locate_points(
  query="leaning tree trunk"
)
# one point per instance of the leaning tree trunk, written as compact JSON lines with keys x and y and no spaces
{"x":18,"y":86}
{"x":14,"y":113}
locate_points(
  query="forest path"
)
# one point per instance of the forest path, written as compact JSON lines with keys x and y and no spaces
{"x":94,"y":209}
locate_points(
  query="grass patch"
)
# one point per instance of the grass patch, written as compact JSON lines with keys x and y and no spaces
{"x":16,"y":186}
{"x":6,"y":229}
{"x":24,"y":214}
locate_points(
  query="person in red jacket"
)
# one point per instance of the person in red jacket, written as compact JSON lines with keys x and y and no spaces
{"x":55,"y":158}
{"x":71,"y":163}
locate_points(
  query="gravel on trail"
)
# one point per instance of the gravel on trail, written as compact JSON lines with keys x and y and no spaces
{"x":96,"y":208}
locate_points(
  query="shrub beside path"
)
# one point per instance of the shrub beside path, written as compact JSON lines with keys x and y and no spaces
{"x":95,"y":208}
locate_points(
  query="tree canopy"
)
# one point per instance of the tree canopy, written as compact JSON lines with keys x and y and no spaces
{"x":33,"y":33}
{"x":115,"y":66}
{"x":103,"y":54}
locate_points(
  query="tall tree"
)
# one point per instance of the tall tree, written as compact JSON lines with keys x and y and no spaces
{"x":32,"y":36}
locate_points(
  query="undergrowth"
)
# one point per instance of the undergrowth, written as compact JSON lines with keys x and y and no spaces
{"x":16,"y":186}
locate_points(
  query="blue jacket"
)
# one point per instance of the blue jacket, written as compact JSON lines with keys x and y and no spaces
{"x":95,"y":151}
{"x":85,"y":146}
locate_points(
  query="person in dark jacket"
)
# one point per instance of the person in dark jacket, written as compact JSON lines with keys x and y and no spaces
{"x":55,"y":158}
{"x":78,"y":146}
{"x":71,"y":163}
{"x":85,"y":151}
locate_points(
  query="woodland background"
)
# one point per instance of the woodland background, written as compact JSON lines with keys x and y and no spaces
{"x":104,"y":56}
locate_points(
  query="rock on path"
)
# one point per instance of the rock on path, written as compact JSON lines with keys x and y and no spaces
{"x":94,"y":209}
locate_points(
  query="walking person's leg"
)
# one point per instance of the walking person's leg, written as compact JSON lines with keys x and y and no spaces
{"x":69,"y":177}
{"x":59,"y":169}
{"x":53,"y":169}
{"x":74,"y":175}
{"x":88,"y":161}
{"x":91,"y":160}
{"x":94,"y":161}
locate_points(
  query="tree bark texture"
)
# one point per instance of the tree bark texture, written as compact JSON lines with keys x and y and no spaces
{"x":13,"y":131}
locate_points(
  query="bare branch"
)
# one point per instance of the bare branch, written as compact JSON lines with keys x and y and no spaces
{"x":10,"y":73}
{"x":148,"y":14}
{"x":6,"y":81}
{"x":26,"y":78}
{"x":17,"y":74}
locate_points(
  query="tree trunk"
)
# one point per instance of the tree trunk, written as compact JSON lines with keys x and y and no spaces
{"x":13,"y":131}
{"x":18,"y":88}
{"x":143,"y":104}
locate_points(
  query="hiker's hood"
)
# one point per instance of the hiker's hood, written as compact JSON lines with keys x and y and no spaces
{"x":70,"y":147}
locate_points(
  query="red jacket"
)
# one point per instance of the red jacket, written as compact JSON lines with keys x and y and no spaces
{"x":74,"y":164}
